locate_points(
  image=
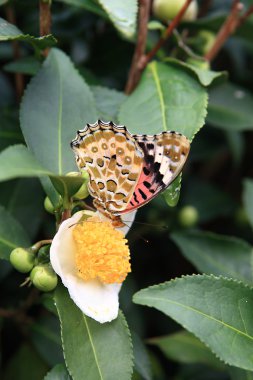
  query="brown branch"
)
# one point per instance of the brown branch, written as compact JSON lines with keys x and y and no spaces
{"x":45,"y":20}
{"x":244,"y":17}
{"x":19,"y":78}
{"x":174,"y":23}
{"x":229,"y":26}
{"x":135,"y":70}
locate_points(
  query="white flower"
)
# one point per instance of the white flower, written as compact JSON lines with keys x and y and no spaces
{"x":96,"y":299}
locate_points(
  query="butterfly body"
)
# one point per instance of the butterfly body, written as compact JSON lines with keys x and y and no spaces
{"x":127,"y":171}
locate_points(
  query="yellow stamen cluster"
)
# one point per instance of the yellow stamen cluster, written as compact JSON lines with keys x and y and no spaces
{"x":101,"y":251}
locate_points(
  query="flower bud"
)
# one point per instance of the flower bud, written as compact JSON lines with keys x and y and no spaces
{"x":22,"y":259}
{"x":44,"y":278}
{"x":48,"y":206}
{"x":166,"y":10}
{"x":188,"y":216}
{"x":83,"y":192}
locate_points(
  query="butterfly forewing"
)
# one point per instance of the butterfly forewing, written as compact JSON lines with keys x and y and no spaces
{"x":114,"y":162}
{"x":164,"y":157}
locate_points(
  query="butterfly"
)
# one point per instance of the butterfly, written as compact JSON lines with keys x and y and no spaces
{"x":127,"y":171}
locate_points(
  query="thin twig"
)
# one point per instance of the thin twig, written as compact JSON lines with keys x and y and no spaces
{"x":45,"y":20}
{"x":228,"y":27}
{"x":19,"y":77}
{"x":174,"y":23}
{"x":244,"y":17}
{"x":135,"y":70}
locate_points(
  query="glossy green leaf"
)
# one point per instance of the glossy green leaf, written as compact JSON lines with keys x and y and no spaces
{"x":25,"y":364}
{"x":58,"y":372}
{"x":183,"y":347}
{"x":248,"y":199}
{"x":123,"y":15}
{"x":172,"y":194}
{"x":12,"y":234}
{"x":9,"y":32}
{"x":206,"y":77}
{"x":108,"y":102}
{"x":230,"y":107}
{"x":17,"y":161}
{"x":217,"y":254}
{"x":167,"y":99}
{"x":141,"y":359}
{"x":26,"y":65}
{"x":92,"y":350}
{"x":217,"y":310}
{"x":56,"y":104}
{"x":88,"y":5}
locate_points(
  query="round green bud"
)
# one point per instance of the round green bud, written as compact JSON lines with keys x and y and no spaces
{"x":201,"y":64}
{"x":82,"y":192}
{"x":48,"y":206}
{"x":44,"y":278}
{"x":188,"y":216}
{"x":85,"y":175}
{"x":22,"y":259}
{"x":166,"y":10}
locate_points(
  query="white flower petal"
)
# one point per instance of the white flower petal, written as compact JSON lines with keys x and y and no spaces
{"x":96,"y":300}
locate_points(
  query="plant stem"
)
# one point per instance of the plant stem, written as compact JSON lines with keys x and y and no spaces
{"x":135,"y":70}
{"x":244,"y":17}
{"x":40,"y":244}
{"x":45,"y":20}
{"x":174,"y":23}
{"x":228,"y":27}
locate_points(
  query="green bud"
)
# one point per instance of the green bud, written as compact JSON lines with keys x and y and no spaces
{"x":166,"y":10}
{"x":44,"y":278}
{"x":82,"y":192}
{"x":48,"y":206}
{"x":188,"y":216}
{"x":43,"y":254}
{"x":22,"y":259}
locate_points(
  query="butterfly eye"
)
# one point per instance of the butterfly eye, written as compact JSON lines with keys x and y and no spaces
{"x":104,"y":146}
{"x":94,"y":149}
{"x":113,"y":145}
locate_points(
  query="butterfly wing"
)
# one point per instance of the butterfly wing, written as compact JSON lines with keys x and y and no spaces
{"x":164,"y":157}
{"x":113,"y":160}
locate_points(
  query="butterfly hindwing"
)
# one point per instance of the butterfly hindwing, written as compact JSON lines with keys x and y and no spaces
{"x":164,"y":157}
{"x":113,"y":160}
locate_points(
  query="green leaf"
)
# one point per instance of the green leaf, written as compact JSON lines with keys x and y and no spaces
{"x":56,"y":104}
{"x":248,"y":199}
{"x":12,"y":234}
{"x":167,"y":99}
{"x":123,"y":15}
{"x":185,"y":348}
{"x":46,"y":338}
{"x":17,"y":161}
{"x":26,"y":65}
{"x":141,"y":360}
{"x":206,"y":77}
{"x":3,"y":2}
{"x":92,"y":350}
{"x":217,"y":310}
{"x":25,"y":364}
{"x":9,"y":32}
{"x":172,"y":194}
{"x":239,"y":374}
{"x":59,"y":372}
{"x":216,"y":254}
{"x":230,"y":107}
{"x":89,"y":5}
{"x":108,"y":102}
